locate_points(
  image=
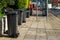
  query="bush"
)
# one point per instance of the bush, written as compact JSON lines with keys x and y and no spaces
{"x":21,"y":4}
{"x":3,"y":3}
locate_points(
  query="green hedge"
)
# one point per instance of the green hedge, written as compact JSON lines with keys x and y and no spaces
{"x":3,"y":3}
{"x":21,"y":4}
{"x":11,"y":2}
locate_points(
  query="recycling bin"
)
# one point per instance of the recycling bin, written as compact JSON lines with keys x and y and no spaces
{"x":27,"y":13}
{"x":5,"y":25}
{"x":12,"y":19}
{"x":31,"y":7}
{"x":44,"y":12}
{"x":30,"y":11}
{"x":1,"y":26}
{"x":20,"y":17}
{"x":23,"y":12}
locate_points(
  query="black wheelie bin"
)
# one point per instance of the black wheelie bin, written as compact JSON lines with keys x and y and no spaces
{"x":12,"y":19}
{"x":20,"y":17}
{"x":27,"y":13}
{"x":44,"y":12}
{"x":23,"y":12}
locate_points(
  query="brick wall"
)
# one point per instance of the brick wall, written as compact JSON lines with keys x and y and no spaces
{"x":59,"y":3}
{"x":54,"y":2}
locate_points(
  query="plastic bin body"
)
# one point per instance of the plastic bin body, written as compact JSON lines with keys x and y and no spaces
{"x":1,"y":26}
{"x":20,"y":17}
{"x":5,"y":25}
{"x":44,"y":12}
{"x":23,"y":12}
{"x":24,"y":16}
{"x":31,"y":7}
{"x":12,"y":18}
{"x":27,"y":13}
{"x":30,"y":11}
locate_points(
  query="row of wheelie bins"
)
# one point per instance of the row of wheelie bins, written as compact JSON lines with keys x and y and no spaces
{"x":14,"y":17}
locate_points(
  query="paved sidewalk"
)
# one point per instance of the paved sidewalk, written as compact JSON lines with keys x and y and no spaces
{"x":41,"y":29}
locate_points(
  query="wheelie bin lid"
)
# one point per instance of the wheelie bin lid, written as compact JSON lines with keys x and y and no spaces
{"x":22,"y":10}
{"x":12,"y":12}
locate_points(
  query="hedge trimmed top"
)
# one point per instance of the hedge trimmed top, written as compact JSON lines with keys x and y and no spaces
{"x":23,"y":4}
{"x":20,"y":4}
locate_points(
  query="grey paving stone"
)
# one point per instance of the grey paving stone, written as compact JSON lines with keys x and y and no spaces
{"x":41,"y":37}
{"x":29,"y":36}
{"x":52,"y":38}
{"x":50,"y":32}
